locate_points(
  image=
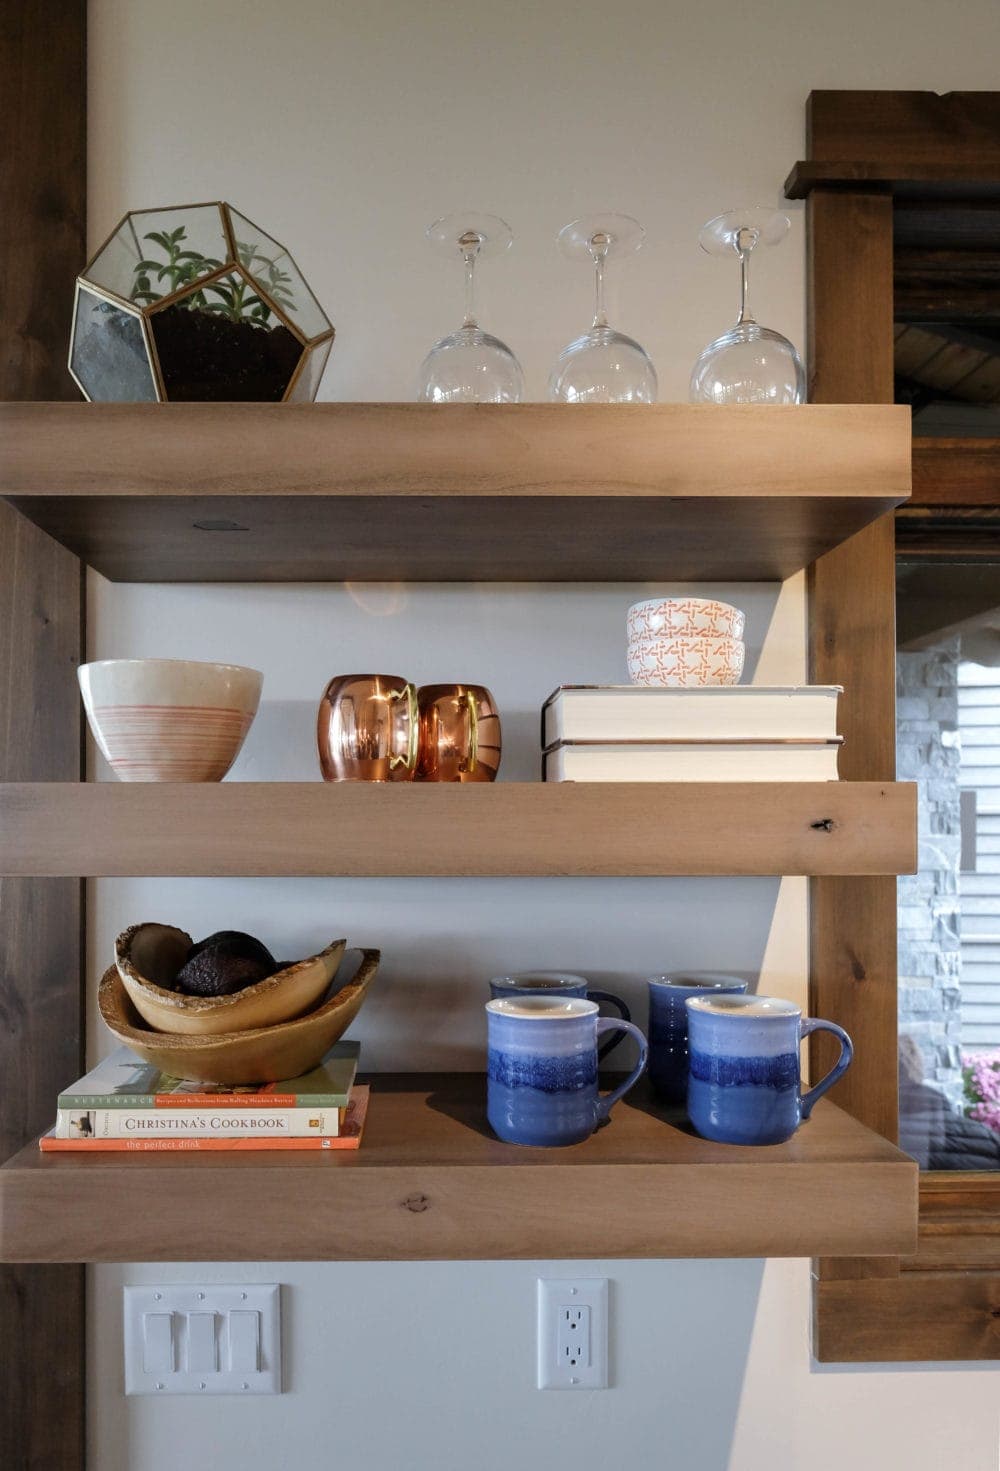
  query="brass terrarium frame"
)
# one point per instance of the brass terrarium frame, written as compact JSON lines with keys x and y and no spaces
{"x":232,"y":266}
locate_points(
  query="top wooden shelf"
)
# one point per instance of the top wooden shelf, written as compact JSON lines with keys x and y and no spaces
{"x":465,"y":492}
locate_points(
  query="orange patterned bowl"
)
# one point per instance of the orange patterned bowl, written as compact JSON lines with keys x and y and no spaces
{"x":169,"y":719}
{"x":664,"y":617}
{"x":685,"y":661}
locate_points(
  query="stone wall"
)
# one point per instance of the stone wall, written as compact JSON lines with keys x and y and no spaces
{"x":928,"y":752}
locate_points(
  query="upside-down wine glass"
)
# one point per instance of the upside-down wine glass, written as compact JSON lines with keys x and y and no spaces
{"x":749,"y":364}
{"x":470,"y":366}
{"x":602,"y":366}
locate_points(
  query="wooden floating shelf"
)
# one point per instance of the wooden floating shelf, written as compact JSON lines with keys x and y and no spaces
{"x":464,"y":492}
{"x":430,"y":1181}
{"x":234,"y":829}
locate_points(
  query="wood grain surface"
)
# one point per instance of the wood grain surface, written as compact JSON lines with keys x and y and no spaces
{"x":946,"y":131}
{"x":956,"y":472}
{"x":852,"y":642}
{"x":918,"y":1316}
{"x":579,"y":829}
{"x":229,"y":492}
{"x":431,"y":1181}
{"x":43,"y":182}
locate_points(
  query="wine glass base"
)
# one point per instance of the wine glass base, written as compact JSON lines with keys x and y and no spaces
{"x":453,"y":234}
{"x":766,"y":226}
{"x":616,"y":235}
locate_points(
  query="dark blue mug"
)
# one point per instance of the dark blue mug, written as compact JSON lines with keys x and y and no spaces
{"x":561,"y":983}
{"x":668,"y":1025}
{"x":744,"y":1085}
{"x":542,"y":1069}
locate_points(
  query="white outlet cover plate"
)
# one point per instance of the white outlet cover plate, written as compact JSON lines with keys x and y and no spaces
{"x":555,"y":1294}
{"x":145,"y":1341}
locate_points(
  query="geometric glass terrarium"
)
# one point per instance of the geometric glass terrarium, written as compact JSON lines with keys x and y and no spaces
{"x":196,"y":303}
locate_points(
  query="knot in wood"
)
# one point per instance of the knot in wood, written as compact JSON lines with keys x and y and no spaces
{"x":825,"y":825}
{"x":416,"y":1203}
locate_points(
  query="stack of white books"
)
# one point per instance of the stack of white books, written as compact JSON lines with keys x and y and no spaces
{"x":721,"y":733}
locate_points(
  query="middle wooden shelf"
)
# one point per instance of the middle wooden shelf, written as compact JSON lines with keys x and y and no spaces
{"x":439,"y":830}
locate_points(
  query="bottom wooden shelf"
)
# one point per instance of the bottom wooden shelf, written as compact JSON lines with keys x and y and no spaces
{"x":431,"y":1181}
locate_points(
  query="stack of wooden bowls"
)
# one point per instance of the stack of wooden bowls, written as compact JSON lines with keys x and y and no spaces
{"x":278,"y":1028}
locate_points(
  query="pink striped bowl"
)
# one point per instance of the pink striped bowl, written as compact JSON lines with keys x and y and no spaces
{"x":169,"y":719}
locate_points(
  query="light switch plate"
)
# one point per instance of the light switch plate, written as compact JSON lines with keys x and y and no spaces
{"x":175,"y":1334}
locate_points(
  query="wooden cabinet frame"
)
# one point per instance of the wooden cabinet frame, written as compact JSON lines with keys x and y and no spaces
{"x":43,"y":114}
{"x":866,"y":150}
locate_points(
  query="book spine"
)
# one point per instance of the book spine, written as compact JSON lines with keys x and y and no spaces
{"x":48,"y":1144}
{"x":136,"y":1101}
{"x":195,"y":1123}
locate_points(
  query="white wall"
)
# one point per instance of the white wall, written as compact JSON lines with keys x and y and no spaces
{"x":346,"y":130}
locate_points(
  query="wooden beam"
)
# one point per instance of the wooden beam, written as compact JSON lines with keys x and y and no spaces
{"x":914,"y":1317}
{"x":949,"y":131}
{"x":852,"y":642}
{"x":42,"y":246}
{"x":956,"y":472}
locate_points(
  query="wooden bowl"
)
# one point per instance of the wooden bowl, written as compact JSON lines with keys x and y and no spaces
{"x":148,"y":956}
{"x":263,"y":1055}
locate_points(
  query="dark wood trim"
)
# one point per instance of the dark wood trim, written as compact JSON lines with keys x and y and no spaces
{"x":948,"y":131}
{"x":928,"y":148}
{"x":905,"y":180}
{"x":956,"y":472}
{"x":913,"y":1318}
{"x":852,"y":642}
{"x":42,"y":246}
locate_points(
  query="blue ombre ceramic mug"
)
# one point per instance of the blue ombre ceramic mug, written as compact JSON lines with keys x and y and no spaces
{"x":542,"y":1071}
{"x":744,"y":1083}
{"x":668,"y":1025}
{"x":561,"y":983}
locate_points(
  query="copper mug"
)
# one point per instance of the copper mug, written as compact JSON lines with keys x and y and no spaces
{"x":368,"y":728}
{"x":459,"y":733}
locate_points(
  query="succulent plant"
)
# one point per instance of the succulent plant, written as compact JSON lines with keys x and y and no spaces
{"x":230,"y":296}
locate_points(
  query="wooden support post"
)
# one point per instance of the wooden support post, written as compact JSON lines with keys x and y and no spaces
{"x":853,"y":643}
{"x":42,"y":246}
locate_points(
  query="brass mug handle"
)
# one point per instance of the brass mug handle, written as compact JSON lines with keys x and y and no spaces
{"x":471,"y":705}
{"x":413,"y":732}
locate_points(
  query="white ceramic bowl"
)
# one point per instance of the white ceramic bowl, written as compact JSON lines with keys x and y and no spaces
{"x":169,"y":719}
{"x":658,"y":617}
{"x":685,"y":661}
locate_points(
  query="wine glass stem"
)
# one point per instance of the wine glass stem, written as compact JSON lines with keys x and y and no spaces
{"x":746,"y":315}
{"x":470,"y":288}
{"x":600,"y":311}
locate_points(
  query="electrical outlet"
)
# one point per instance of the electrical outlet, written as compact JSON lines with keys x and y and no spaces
{"x":574,"y":1336}
{"x":572,"y":1333}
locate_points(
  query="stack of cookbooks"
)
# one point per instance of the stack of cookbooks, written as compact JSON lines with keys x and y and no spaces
{"x":124,"y":1104}
{"x":718,"y":733}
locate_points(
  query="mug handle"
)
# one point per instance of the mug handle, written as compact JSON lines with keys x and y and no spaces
{"x":413,"y":731}
{"x":623,"y":1012}
{"x":472,"y":707}
{"x":814,"y":1024}
{"x":612,"y":1024}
